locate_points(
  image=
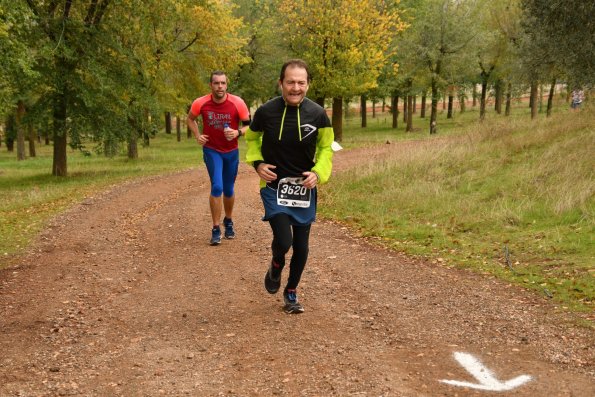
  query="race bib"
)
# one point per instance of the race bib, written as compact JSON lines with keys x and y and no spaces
{"x":292,"y":193}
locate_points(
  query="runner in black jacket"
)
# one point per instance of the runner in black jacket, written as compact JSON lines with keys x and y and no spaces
{"x":289,"y":145}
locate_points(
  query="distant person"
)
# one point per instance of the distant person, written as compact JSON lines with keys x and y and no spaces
{"x":221,"y":116}
{"x":289,"y":145}
{"x":577,"y":98}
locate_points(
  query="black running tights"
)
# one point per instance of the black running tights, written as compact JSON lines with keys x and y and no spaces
{"x":283,"y":240}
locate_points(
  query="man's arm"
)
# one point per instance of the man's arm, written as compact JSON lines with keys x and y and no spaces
{"x":244,"y":127}
{"x":241,"y":131}
{"x":191,"y":122}
{"x":324,"y":154}
{"x":244,"y":114}
{"x":253,"y":147}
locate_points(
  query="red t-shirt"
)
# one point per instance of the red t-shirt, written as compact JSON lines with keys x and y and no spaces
{"x":216,"y":115}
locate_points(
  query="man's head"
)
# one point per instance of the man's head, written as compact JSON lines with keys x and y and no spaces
{"x":294,"y":81}
{"x":218,"y":85}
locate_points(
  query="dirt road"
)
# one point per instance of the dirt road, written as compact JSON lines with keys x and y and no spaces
{"x":122,"y":296}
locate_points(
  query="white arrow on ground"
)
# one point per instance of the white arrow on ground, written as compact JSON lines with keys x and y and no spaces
{"x":485,"y":377}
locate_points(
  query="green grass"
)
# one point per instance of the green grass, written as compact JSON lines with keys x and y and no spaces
{"x":507,"y":184}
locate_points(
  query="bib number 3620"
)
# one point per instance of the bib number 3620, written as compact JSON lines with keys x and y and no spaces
{"x":292,"y":193}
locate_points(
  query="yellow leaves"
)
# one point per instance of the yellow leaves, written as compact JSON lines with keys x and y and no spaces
{"x":349,"y":37}
{"x":218,"y":36}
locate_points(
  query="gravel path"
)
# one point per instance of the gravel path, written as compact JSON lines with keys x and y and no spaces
{"x":123,"y":296}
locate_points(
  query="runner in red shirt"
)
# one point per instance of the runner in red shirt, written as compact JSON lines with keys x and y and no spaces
{"x":221,"y":116}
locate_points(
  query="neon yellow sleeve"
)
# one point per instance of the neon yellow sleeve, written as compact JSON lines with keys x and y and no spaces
{"x":253,"y":146}
{"x":324,"y":154}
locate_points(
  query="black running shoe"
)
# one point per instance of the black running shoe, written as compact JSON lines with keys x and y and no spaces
{"x":216,"y":236}
{"x":292,"y":305}
{"x":229,"y":232}
{"x":272,"y":283}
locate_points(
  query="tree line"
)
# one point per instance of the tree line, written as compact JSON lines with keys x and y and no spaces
{"x":104,"y":72}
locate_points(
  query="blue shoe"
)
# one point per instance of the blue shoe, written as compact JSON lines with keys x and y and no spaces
{"x":292,"y":305}
{"x":229,"y":232}
{"x":216,"y":236}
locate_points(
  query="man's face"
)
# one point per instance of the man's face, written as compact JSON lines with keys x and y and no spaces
{"x":294,"y":85}
{"x":218,"y":86}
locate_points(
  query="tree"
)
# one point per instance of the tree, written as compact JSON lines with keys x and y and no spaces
{"x":19,"y":81}
{"x":17,"y":73}
{"x":345,"y":43}
{"x":565,"y":29}
{"x":68,"y":34}
{"x":256,"y":80}
{"x":440,"y":33}
{"x":192,"y":50}
{"x":108,"y":65}
{"x":499,"y":32}
{"x":160,"y":60}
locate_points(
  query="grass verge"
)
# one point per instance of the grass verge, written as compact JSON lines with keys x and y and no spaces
{"x":510,"y":197}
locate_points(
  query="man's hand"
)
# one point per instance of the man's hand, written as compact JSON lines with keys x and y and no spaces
{"x":231,"y":134}
{"x":202,"y":139}
{"x":264,"y":171}
{"x":311,"y":179}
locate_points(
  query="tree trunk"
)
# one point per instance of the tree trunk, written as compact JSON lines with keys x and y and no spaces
{"x":482,"y":101}
{"x":337,"y":119}
{"x":133,"y":147}
{"x":59,"y":166}
{"x":474,"y":94}
{"x":374,"y":101}
{"x":550,"y":98}
{"x":362,"y":111}
{"x":422,"y":113}
{"x":32,"y":136}
{"x":498,"y":96}
{"x":145,"y":131}
{"x":188,"y":130}
{"x":409,"y":127}
{"x":444,"y":101}
{"x":320,"y":101}
{"x":65,"y":68}
{"x":450,"y":102}
{"x":9,"y":127}
{"x":540,"y":98}
{"x":178,"y":129}
{"x":414,"y":107}
{"x":167,"y":122}
{"x":347,"y":107}
{"x":383,"y":104}
{"x":434,"y":108}
{"x":462,"y":98}
{"x":20,"y":131}
{"x":405,"y":110}
{"x":533,"y":99}
{"x":508,"y":100}
{"x":395,"y":110}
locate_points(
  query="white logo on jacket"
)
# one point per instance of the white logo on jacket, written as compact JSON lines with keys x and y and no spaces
{"x":308,"y":129}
